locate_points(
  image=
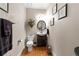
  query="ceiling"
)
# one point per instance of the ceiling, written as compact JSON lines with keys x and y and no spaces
{"x":37,"y":5}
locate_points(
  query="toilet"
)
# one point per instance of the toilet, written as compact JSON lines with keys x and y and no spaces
{"x":29,"y":43}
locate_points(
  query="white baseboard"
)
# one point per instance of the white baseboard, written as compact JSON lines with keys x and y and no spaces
{"x":54,"y":54}
{"x":19,"y":54}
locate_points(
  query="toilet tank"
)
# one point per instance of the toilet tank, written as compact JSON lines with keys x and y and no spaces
{"x":30,"y":38}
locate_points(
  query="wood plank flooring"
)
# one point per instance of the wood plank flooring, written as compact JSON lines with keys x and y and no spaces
{"x":37,"y":51}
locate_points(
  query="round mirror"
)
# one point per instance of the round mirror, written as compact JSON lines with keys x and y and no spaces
{"x":41,"y":25}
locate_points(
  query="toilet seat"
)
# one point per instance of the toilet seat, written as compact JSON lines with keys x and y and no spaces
{"x":29,"y":45}
{"x":30,"y":42}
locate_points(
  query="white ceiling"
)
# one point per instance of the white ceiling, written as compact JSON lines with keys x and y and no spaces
{"x":37,"y":5}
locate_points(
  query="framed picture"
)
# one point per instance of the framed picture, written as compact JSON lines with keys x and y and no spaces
{"x":52,"y":22}
{"x":4,"y":7}
{"x":62,"y":12}
{"x":54,"y":9}
{"x":59,"y":5}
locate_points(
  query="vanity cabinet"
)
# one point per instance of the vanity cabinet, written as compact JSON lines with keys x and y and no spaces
{"x":41,"y":40}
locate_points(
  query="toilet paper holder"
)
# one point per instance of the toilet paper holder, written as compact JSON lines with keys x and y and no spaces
{"x":19,"y":41}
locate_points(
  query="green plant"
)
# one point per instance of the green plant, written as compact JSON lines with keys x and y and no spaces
{"x":31,"y":22}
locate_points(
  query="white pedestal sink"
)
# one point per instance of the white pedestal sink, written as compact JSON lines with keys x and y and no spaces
{"x":42,"y":33}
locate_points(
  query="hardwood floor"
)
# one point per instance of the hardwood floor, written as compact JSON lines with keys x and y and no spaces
{"x":37,"y":51}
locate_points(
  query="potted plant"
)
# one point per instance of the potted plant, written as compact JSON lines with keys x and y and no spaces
{"x":31,"y":22}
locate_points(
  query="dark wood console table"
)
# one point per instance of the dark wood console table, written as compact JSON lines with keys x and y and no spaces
{"x":42,"y":40}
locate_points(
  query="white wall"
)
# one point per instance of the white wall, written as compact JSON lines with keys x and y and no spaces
{"x":17,"y":14}
{"x":64,"y":35}
{"x":32,"y":13}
